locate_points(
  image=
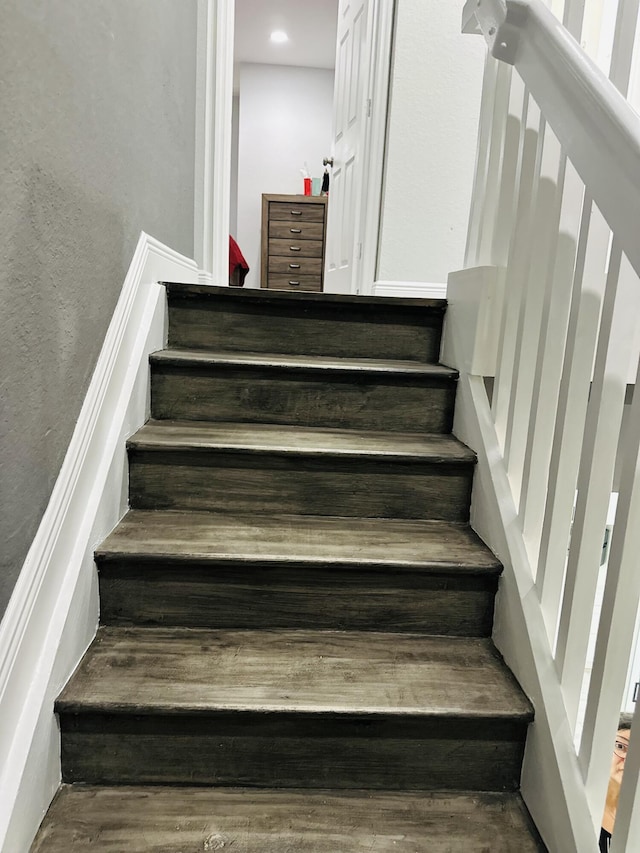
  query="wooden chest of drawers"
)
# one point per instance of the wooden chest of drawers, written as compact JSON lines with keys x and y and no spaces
{"x":293,"y":238}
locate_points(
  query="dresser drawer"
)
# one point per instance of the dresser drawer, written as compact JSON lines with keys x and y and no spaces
{"x":296,"y":230}
{"x":296,"y":248}
{"x":296,"y":212}
{"x":293,"y":240}
{"x":294,"y":268}
{"x":299,"y":282}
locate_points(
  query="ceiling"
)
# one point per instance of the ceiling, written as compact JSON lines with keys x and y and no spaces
{"x":310,"y":24}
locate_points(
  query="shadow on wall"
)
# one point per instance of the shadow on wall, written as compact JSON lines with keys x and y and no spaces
{"x":59,"y":284}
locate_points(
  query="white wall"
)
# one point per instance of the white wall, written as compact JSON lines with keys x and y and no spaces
{"x":431,"y":143}
{"x":285,"y":120}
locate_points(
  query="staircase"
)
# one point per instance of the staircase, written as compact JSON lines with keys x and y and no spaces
{"x":294,"y":651}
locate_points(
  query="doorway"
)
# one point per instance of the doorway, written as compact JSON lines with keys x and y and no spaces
{"x":282,"y":107}
{"x":214,"y":159}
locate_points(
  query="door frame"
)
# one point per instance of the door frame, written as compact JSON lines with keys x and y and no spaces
{"x":214,"y":101}
{"x":373,"y":157}
{"x":214,"y":98}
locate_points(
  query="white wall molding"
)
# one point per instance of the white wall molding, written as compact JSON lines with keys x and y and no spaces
{"x":376,"y":141}
{"x":53,"y":612}
{"x":410,"y":289}
{"x":214,"y":100}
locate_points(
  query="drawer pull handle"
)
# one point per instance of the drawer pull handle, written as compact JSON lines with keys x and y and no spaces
{"x":294,"y":283}
{"x":296,"y":213}
{"x":296,"y":230}
{"x":294,"y":248}
{"x":294,"y":266}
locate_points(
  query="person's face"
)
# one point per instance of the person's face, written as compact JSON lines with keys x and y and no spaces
{"x":619,"y":755}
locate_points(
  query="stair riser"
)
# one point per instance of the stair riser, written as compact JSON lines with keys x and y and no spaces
{"x":296,"y":596}
{"x":289,"y":750}
{"x":307,"y":399}
{"x":310,"y":486}
{"x":315,"y":329}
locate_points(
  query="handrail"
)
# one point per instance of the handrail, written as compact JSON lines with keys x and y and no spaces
{"x":553,"y":257}
{"x":596,"y":126}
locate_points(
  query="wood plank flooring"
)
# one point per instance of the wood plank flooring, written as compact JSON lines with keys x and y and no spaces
{"x":272,"y":322}
{"x":280,"y":390}
{"x":298,"y":470}
{"x":169,"y":670}
{"x":308,"y":441}
{"x":323,"y":365}
{"x":294,"y":651}
{"x":418,"y":545}
{"x":204,"y":569}
{"x":193,"y":820}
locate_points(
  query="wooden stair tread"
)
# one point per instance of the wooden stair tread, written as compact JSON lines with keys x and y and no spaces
{"x":240,"y":437}
{"x":325,"y":365}
{"x":145,"y":819}
{"x":324,"y":540}
{"x":249,"y":294}
{"x":188,"y":670}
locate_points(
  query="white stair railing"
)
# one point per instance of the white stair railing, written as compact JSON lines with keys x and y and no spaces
{"x":556,"y":217}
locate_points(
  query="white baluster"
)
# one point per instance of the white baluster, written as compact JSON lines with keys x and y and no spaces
{"x":543,"y":234}
{"x":556,"y":283}
{"x":621,"y":596}
{"x":595,"y":481}
{"x":586,"y":299}
{"x":518,"y":250}
{"x":573,"y":17}
{"x":624,"y":44}
{"x":488,"y":140}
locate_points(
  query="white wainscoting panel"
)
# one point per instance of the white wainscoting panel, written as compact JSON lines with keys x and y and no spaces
{"x":475,"y":298}
{"x":53,"y":613}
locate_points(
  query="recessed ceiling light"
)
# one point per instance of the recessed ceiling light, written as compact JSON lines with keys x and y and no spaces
{"x":279,"y":36}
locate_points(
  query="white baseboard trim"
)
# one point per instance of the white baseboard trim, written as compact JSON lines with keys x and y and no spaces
{"x":53,"y":612}
{"x":410,"y":289}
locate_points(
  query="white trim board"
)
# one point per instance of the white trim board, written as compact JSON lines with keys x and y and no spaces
{"x":214,"y":99}
{"x":53,"y":612}
{"x":410,"y":289}
{"x":375,"y":156}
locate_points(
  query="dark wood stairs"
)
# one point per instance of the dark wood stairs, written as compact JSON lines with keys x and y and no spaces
{"x":294,"y":651}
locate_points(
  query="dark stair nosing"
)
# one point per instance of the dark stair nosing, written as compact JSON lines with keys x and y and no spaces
{"x":219,"y":480}
{"x":322,"y":365}
{"x":271,"y":821}
{"x":227,"y":571}
{"x":185,"y":290}
{"x":282,"y":670}
{"x":293,"y":708}
{"x":315,"y":540}
{"x":274,"y":322}
{"x":293,"y":440}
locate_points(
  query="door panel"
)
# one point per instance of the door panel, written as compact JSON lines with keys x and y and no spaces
{"x":353,"y":69}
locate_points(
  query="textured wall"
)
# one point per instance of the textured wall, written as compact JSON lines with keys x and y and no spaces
{"x":96,"y":144}
{"x":433,"y":123}
{"x":286,"y":113}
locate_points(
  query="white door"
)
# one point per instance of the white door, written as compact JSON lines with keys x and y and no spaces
{"x":351,"y":113}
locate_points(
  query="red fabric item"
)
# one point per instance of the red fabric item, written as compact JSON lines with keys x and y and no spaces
{"x":237,"y":261}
